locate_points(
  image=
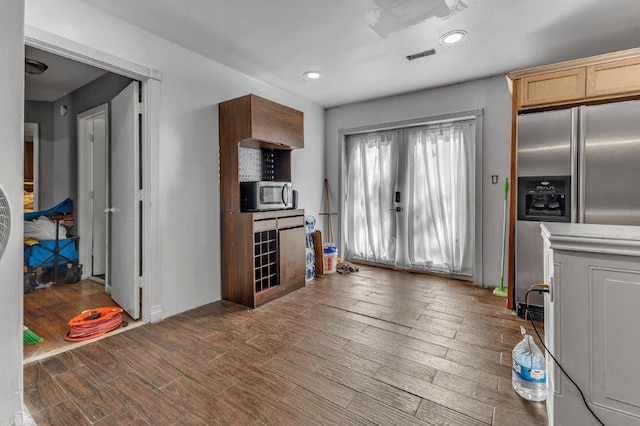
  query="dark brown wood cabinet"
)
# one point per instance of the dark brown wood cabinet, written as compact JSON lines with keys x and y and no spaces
{"x":263,"y":253}
{"x":255,"y":122}
{"x":291,"y":247}
{"x":274,"y":123}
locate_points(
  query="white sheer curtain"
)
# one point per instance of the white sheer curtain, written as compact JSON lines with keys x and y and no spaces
{"x":440,"y":189}
{"x":370,"y":223}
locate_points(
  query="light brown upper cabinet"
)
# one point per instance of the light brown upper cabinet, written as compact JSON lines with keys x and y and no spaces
{"x":596,"y":78}
{"x":552,"y":88}
{"x":613,"y":78}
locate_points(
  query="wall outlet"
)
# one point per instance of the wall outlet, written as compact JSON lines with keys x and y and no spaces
{"x":494,"y":179}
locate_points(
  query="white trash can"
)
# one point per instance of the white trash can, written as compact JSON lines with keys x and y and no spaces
{"x":330,"y":258}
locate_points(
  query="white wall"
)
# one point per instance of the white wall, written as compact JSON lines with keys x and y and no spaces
{"x":58,"y":166}
{"x":492,"y":95}
{"x":11,"y":170}
{"x":192,"y":86}
{"x":62,"y":167}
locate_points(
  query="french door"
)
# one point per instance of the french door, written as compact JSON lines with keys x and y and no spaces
{"x":371,"y":224}
{"x":410,"y":197}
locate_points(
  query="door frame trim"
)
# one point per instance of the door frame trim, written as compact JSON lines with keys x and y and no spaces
{"x":150,"y":129}
{"x":85,"y":167}
{"x":34,"y":130}
{"x":477,"y":115}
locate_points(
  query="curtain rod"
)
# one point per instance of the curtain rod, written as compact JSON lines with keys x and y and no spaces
{"x":415,"y":122}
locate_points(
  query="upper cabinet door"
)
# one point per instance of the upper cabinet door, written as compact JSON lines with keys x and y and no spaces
{"x":614,"y":78}
{"x":552,"y":88}
{"x":276,"y":123}
{"x":256,"y":122}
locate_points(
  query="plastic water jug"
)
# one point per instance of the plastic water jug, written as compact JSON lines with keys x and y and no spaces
{"x":529,"y":373}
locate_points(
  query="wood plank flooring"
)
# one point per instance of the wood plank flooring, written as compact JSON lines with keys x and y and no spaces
{"x":47,"y":311}
{"x":374,"y":347}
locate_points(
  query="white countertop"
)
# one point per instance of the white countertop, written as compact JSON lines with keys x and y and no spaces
{"x":585,"y":237}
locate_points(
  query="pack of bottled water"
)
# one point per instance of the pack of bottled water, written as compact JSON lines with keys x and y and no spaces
{"x":529,"y":373}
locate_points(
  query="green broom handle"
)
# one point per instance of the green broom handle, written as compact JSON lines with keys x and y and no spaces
{"x":506,"y":189}
{"x":506,"y":195}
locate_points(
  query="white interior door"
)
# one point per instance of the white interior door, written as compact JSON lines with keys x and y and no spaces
{"x":124,"y":223}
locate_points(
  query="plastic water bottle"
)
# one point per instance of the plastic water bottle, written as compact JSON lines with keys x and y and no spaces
{"x":529,"y":373}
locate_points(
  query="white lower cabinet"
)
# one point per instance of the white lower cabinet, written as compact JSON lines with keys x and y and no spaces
{"x":592,"y":322}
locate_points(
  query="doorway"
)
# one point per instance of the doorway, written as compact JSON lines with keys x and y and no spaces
{"x":410,"y":196}
{"x":84,"y":227}
{"x":93,"y":135}
{"x":146,"y":132}
{"x":31,"y":160}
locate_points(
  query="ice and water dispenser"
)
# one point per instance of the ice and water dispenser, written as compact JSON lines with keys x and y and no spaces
{"x":544,"y":198}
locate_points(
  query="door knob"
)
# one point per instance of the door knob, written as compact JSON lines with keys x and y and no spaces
{"x":109,"y":210}
{"x":396,"y":209}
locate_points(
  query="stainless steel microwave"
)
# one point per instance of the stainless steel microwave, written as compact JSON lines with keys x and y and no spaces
{"x":265,"y":195}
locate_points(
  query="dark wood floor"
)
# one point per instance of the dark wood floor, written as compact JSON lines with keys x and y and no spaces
{"x":374,"y":347}
{"x":47,"y":311}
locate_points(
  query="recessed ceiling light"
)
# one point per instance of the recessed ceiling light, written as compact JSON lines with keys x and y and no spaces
{"x":312,"y":75}
{"x":453,"y":37}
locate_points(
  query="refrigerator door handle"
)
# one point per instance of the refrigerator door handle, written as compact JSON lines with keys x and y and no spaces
{"x":582,"y":160}
{"x":575,"y":134}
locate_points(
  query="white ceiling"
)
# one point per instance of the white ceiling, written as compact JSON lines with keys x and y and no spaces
{"x":63,"y":76}
{"x":360,"y":45}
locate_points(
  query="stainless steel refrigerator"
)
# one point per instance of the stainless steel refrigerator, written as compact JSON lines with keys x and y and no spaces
{"x":573,"y":165}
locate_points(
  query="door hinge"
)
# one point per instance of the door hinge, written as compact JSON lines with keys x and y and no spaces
{"x":139,"y":282}
{"x":138,"y":107}
{"x":91,"y":137}
{"x":139,"y":195}
{"x":91,"y":195}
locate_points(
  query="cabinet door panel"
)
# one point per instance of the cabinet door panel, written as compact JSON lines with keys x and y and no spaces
{"x":551,"y":88}
{"x":290,"y":222}
{"x":614,"y":78}
{"x":614,"y":294}
{"x":291,"y":254}
{"x":275,"y":123}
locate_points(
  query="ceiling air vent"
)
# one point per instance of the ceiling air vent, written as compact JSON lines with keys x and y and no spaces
{"x":421,"y":54}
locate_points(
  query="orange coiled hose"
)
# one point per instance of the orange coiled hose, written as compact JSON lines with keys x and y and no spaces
{"x":94,"y":323}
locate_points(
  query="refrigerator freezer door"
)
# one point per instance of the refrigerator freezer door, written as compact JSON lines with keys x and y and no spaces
{"x":545,"y":146}
{"x":610,"y":162}
{"x":544,"y":143}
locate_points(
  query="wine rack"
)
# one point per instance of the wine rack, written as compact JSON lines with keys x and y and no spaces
{"x":265,"y":260}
